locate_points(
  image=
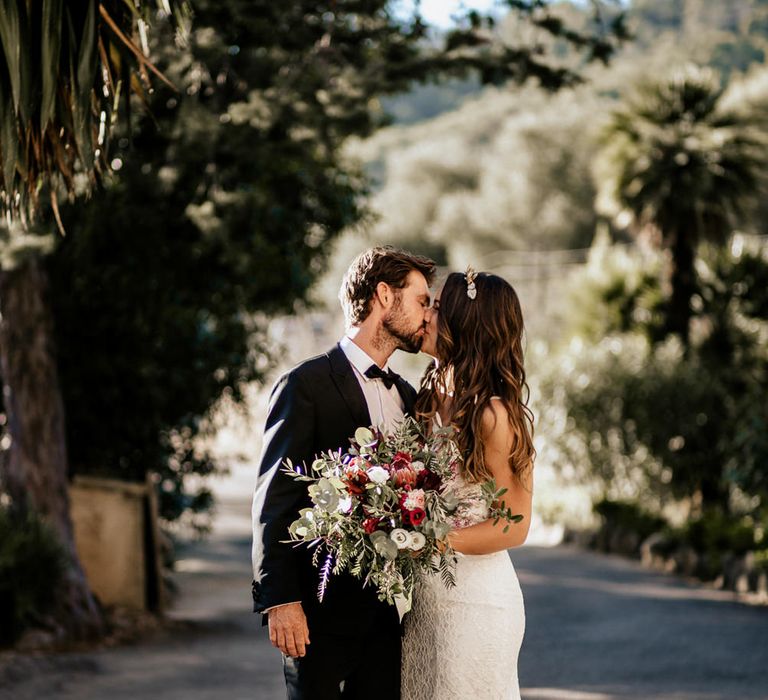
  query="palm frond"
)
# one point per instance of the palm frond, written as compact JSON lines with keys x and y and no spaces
{"x":65,"y":68}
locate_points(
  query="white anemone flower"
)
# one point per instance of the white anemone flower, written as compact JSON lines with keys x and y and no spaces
{"x":417,"y":541}
{"x":401,"y":538}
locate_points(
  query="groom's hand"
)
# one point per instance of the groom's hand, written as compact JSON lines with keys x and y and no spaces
{"x":288,"y":629}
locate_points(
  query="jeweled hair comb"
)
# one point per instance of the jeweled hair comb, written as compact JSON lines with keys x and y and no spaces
{"x":469,"y":277}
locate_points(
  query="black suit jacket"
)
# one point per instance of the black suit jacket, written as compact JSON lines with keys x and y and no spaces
{"x":315,"y":407}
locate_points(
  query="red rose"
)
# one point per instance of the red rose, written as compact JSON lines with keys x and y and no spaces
{"x":401,"y":460}
{"x":370,"y":525}
{"x":417,"y":516}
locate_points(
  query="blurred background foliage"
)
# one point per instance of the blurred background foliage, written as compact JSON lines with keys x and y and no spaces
{"x":32,"y":564}
{"x":630,"y":214}
{"x":219,"y":197}
{"x":213,"y":251}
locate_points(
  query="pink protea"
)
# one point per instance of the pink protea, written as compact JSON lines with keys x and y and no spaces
{"x":404,"y":477}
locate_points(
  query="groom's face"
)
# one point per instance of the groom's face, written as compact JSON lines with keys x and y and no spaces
{"x":406,"y":319}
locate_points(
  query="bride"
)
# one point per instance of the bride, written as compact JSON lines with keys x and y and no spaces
{"x":463,"y":642}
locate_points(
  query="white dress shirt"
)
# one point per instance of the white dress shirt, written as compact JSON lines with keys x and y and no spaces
{"x":384,"y":405}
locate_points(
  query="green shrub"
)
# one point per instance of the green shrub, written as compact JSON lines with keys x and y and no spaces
{"x":761,"y":561}
{"x":32,"y":565}
{"x":656,"y":423}
{"x":624,"y":285}
{"x":714,"y":536}
{"x":716,"y":532}
{"x":629,"y":517}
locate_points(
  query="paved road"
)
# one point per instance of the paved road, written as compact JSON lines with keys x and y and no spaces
{"x":598,"y":628}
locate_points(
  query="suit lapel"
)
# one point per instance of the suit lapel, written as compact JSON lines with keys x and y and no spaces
{"x":346,"y":382}
{"x":407,"y":394}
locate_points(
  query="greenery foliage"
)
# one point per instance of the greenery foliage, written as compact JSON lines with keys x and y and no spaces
{"x":31,"y":567}
{"x":683,"y":170}
{"x":625,"y":524}
{"x":491,"y":176}
{"x":221,"y":203}
{"x":659,"y":426}
{"x":624,"y":284}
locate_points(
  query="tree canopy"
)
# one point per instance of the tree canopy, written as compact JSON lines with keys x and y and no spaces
{"x":223,"y":198}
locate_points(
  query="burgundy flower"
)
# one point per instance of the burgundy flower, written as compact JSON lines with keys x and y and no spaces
{"x":370,"y":525}
{"x":427,"y":479}
{"x":401,"y":460}
{"x":417,"y":516}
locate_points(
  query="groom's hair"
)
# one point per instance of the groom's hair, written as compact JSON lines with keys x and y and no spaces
{"x":380,"y":264}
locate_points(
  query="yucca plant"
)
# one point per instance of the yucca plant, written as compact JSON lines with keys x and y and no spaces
{"x":67,"y":69}
{"x":677,"y":165}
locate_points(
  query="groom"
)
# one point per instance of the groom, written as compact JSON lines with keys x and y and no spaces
{"x":348,"y":646}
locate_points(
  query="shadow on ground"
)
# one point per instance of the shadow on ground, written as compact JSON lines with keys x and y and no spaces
{"x":598,"y":628}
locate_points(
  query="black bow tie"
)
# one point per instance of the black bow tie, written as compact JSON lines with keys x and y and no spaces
{"x":388,"y":377}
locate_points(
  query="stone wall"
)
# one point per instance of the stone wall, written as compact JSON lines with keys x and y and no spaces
{"x":115,"y":526}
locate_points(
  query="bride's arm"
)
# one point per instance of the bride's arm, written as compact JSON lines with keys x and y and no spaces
{"x":485,"y":537}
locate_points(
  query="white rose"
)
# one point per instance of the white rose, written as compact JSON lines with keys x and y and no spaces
{"x":418,"y":466}
{"x":378,"y":475}
{"x":400,"y":537}
{"x":417,"y":541}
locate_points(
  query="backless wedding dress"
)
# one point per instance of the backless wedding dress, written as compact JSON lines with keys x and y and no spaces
{"x":462,"y":643}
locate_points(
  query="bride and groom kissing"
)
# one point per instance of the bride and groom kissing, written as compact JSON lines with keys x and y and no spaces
{"x":456,"y":643}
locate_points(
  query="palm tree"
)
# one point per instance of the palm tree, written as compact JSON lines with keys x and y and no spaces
{"x":677,"y":165}
{"x":64,"y":67}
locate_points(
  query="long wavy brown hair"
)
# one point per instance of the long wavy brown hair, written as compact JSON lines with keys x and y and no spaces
{"x":480,"y":355}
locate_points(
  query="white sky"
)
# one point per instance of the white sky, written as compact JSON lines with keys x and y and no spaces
{"x":438,"y":12}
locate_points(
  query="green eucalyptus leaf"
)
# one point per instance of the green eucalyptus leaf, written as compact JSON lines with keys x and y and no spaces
{"x":324,"y":495}
{"x":318,"y":465}
{"x":386,"y":548}
{"x":363,"y":437}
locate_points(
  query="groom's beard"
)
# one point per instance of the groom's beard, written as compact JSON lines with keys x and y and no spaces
{"x":405,"y":338}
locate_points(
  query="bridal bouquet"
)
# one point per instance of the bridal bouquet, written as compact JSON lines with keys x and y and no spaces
{"x":382,"y":510}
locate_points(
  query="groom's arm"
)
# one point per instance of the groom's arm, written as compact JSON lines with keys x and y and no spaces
{"x":288,"y":434}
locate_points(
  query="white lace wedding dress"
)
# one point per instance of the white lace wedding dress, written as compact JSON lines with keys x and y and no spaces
{"x":462,"y":643}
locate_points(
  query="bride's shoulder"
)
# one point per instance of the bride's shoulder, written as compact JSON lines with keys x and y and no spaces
{"x":496,"y":418}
